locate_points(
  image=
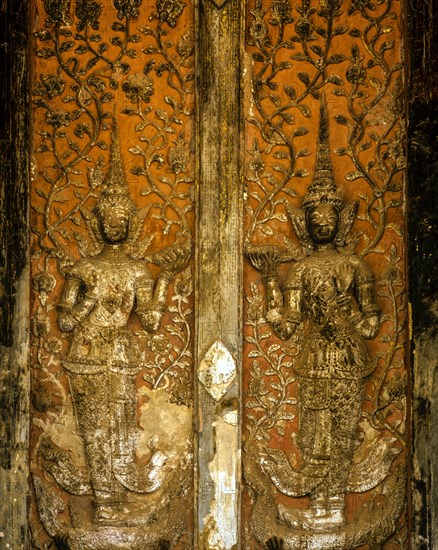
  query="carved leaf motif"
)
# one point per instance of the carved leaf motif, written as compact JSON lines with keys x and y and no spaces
{"x":78,"y":104}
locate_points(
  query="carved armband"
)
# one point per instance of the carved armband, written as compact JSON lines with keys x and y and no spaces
{"x":71,"y":314}
{"x":274,"y":296}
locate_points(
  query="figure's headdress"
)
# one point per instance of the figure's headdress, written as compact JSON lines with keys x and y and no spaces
{"x":115,"y":192}
{"x":323,"y":188}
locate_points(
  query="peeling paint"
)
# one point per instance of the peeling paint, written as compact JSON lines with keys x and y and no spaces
{"x":172,"y":434}
{"x":223,"y":471}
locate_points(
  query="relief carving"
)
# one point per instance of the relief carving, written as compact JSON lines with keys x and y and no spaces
{"x":103,"y":360}
{"x":100,"y":294}
{"x":329,"y":298}
{"x":325,"y":313}
{"x":111,"y":459}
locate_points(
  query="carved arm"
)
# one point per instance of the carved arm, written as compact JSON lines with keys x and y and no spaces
{"x":150,"y":302}
{"x":71,"y":313}
{"x":369,"y":321}
{"x":285,"y":318}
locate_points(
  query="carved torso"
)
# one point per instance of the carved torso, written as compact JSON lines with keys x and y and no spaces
{"x":332,"y":346}
{"x":103,"y":339}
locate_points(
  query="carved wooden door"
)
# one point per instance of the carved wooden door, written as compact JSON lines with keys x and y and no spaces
{"x":218,"y":347}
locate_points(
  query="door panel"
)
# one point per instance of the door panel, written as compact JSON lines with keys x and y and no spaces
{"x":112,"y":300}
{"x":324,"y":422}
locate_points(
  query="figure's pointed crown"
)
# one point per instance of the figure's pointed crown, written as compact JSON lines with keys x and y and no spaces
{"x":115,"y":189}
{"x":323,"y":188}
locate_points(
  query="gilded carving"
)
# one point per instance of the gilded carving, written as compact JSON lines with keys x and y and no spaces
{"x":112,"y":326}
{"x":328,"y":302}
{"x":322,"y":420}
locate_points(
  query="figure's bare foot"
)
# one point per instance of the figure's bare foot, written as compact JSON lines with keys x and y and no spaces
{"x":315,"y":519}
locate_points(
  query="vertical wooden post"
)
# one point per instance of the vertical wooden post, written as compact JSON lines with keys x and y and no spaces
{"x":219,"y":271}
{"x":14,"y":275}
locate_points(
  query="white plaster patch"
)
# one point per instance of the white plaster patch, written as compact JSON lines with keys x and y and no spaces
{"x":64,"y":433}
{"x":224,"y":474}
{"x":166,"y":424}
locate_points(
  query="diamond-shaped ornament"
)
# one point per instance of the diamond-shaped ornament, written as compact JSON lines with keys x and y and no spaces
{"x":217,"y":370}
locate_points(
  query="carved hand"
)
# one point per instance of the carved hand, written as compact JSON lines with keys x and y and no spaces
{"x":369,"y":326}
{"x":344,"y":301}
{"x":71,"y":311}
{"x":283,"y":321}
{"x":151,"y":319}
{"x":173,"y":259}
{"x":66,"y":321}
{"x":344,"y":278}
{"x":264,"y":259}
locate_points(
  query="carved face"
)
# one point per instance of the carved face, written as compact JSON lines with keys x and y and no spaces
{"x":322,"y":223}
{"x":114,"y":224}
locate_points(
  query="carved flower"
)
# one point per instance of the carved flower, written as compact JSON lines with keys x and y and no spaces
{"x":258,"y":29}
{"x":392,"y":274}
{"x":169,"y":11}
{"x":44,"y":282}
{"x":127,"y":8}
{"x":57,"y":10}
{"x":186,"y":44}
{"x":254,"y":313}
{"x":329,"y":8}
{"x":256,"y":164}
{"x":139,"y":86}
{"x":50,"y":86}
{"x":303,"y":28}
{"x":53,"y":345}
{"x":396,"y":387}
{"x":256,"y":384}
{"x":58,"y":118}
{"x":96,"y":175}
{"x":160,"y":344}
{"x":184,"y":285}
{"x":360,"y":5}
{"x":356,"y":74}
{"x":178,"y":156}
{"x":281,"y":12}
{"x":88,"y":13}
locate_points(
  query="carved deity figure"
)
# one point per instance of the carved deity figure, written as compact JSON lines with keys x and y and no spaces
{"x":99,"y":296}
{"x":329,"y":296}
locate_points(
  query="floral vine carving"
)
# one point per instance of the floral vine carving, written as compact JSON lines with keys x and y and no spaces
{"x":156,"y":127}
{"x":374,"y":84}
{"x":165,"y":360}
{"x":280,"y":108}
{"x":368,"y":79}
{"x":269,"y":400}
{"x":389,"y":383}
{"x":84,"y":81}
